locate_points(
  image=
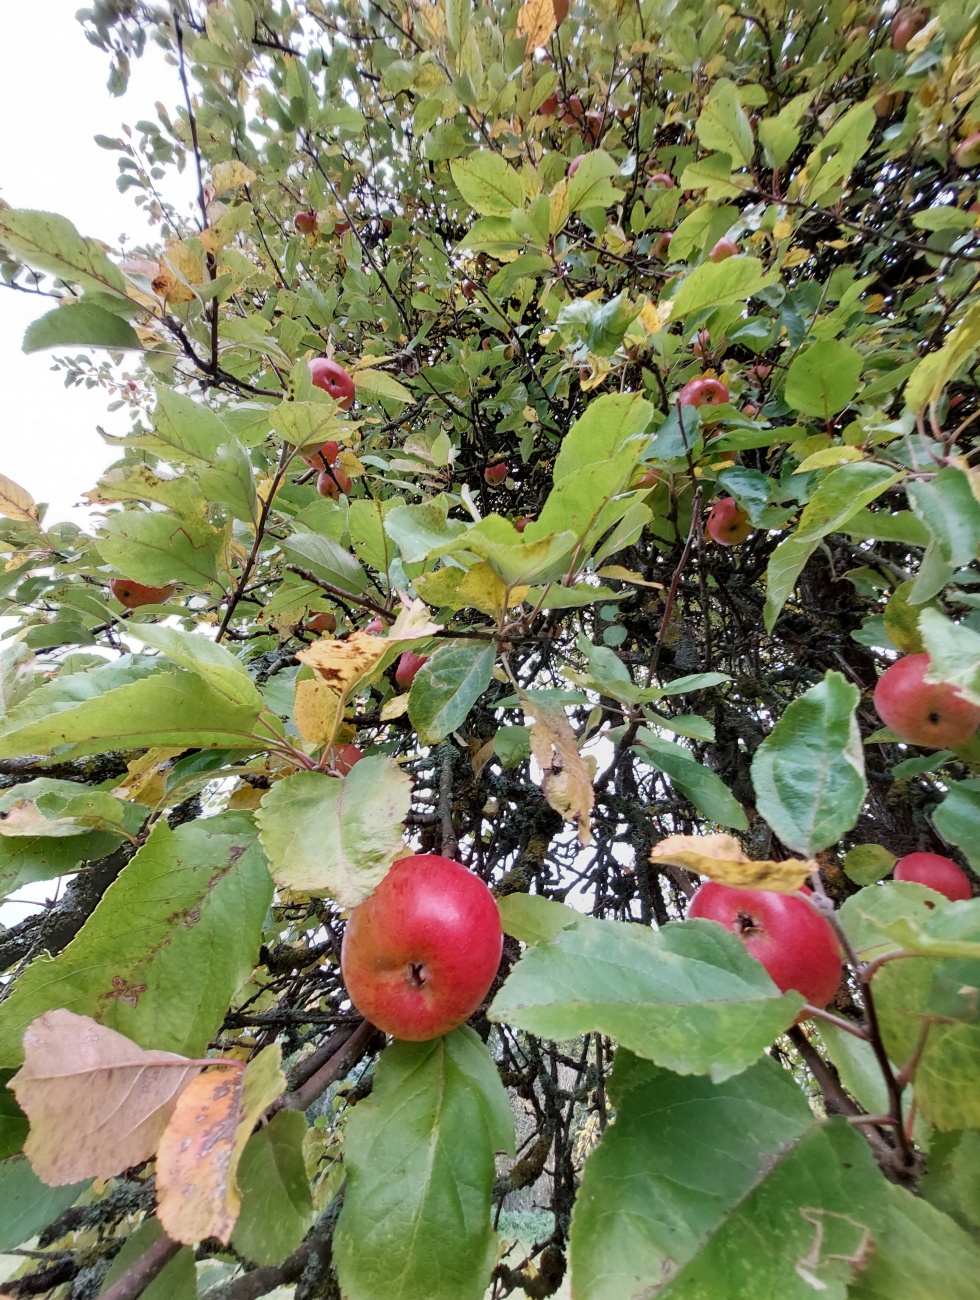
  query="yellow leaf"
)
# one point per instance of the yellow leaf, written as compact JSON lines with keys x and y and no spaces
{"x":796,"y":257}
{"x":720,"y":858}
{"x":180,"y":267}
{"x":829,"y":456}
{"x":627,"y":575}
{"x":567,"y":783}
{"x":650,"y":319}
{"x":478,"y":588}
{"x":538,"y":21}
{"x":315,"y":709}
{"x":396,"y":707}
{"x":147,"y":779}
{"x":782,"y":229}
{"x":16,"y":503}
{"x":245,"y":796}
{"x":232,"y":175}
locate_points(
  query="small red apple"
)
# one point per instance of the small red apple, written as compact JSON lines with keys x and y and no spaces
{"x":305,"y":223}
{"x":333,"y":379}
{"x":905,"y":24}
{"x":574,"y":110}
{"x":935,"y":716}
{"x":375,"y":627}
{"x":322,"y":623}
{"x":494,"y":474}
{"x":750,"y":409}
{"x":133,"y":594}
{"x":701,"y":344}
{"x":936,"y":872}
{"x":341,"y":228}
{"x":408,"y":666}
{"x":967,"y":152}
{"x":648,"y":479}
{"x":724,"y":249}
{"x":796,"y":945}
{"x":703,"y":392}
{"x":468,"y":290}
{"x":331,"y":482}
{"x":522,"y":523}
{"x":727,"y":523}
{"x":320,"y":459}
{"x":343,"y":758}
{"x":420,"y":954}
{"x":662,"y":246}
{"x":759,"y":373}
{"x":549,"y":106}
{"x":662,"y":178}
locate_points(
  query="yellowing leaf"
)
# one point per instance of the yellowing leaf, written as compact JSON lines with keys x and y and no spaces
{"x":649,"y":318}
{"x":197,"y":1162}
{"x":342,"y":664}
{"x":627,"y":575}
{"x":147,"y":781}
{"x":180,"y":267}
{"x":232,"y":175}
{"x":15,"y":503}
{"x":720,"y":858}
{"x":567,"y":784}
{"x":782,"y":229}
{"x":315,"y":709}
{"x":97,"y":1103}
{"x":829,"y":456}
{"x":396,"y":707}
{"x":538,"y":21}
{"x":796,"y":257}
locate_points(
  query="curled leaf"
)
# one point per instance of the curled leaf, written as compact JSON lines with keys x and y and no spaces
{"x":567,"y":783}
{"x":720,"y":858}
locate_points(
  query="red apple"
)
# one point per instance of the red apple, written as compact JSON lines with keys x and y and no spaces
{"x":905,"y":24}
{"x":420,"y":954}
{"x":662,"y":178}
{"x":574,"y":109}
{"x":759,"y":373}
{"x":750,"y":409}
{"x":727,"y":524}
{"x":648,"y":479}
{"x":561,"y":10}
{"x":343,"y":758}
{"x":322,"y":623}
{"x":304,"y":223}
{"x":468,"y":290}
{"x":494,"y":474}
{"x":331,"y":482}
{"x":936,"y":872}
{"x":333,"y":379}
{"x":662,"y":246}
{"x":724,"y":249}
{"x":935,"y":716}
{"x":573,"y":166}
{"x":375,"y":627}
{"x":967,"y":152}
{"x":134,"y":594}
{"x":320,"y":459}
{"x":341,"y":228}
{"x":701,"y":344}
{"x":549,"y":106}
{"x":408,"y":666}
{"x":796,"y":945}
{"x":703,"y":392}
{"x":522,"y":523}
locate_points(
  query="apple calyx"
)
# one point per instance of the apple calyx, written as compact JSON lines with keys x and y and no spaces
{"x":933,"y":715}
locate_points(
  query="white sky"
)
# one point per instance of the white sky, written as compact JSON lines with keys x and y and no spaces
{"x":53,"y":100}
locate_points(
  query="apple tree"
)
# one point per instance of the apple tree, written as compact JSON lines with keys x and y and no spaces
{"x":551,"y":448}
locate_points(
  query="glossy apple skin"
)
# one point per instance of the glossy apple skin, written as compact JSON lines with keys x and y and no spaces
{"x":420,"y":954}
{"x":494,"y":474}
{"x":304,"y":223}
{"x":331,"y":482}
{"x":796,"y":945}
{"x":408,"y":666}
{"x":724,"y":249}
{"x":468,"y":290}
{"x":936,"y":872}
{"x":703,"y":392}
{"x":343,"y":758}
{"x":333,"y":379}
{"x":934,"y":716}
{"x":727,"y":523}
{"x":133,"y":594}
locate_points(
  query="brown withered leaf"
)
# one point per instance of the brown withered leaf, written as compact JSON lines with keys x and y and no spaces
{"x":180,"y":268}
{"x":567,"y":784}
{"x":197,"y":1161}
{"x":315,"y":710}
{"x":16,"y":503}
{"x":720,"y":858}
{"x":97,"y":1103}
{"x":538,"y":21}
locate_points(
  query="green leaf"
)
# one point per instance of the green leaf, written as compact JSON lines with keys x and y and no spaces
{"x":808,"y":773}
{"x":26,"y":1204}
{"x":785,"y":565}
{"x":219,"y":668}
{"x":824,"y":378}
{"x":704,"y":788}
{"x":687,"y":996}
{"x":307,"y":424}
{"x":156,"y":547}
{"x":25,"y":859}
{"x":276,"y":1204}
{"x":80,"y":325}
{"x":488,"y":183}
{"x":934,"y":372}
{"x":177,"y":1280}
{"x":591,"y":186}
{"x":183,"y":429}
{"x":324,"y":834}
{"x":841,"y":495}
{"x":951,"y":513}
{"x":723,"y":124}
{"x":604,"y":429}
{"x":952,"y":1180}
{"x":13,"y":1122}
{"x":867,"y":863}
{"x":17,"y":678}
{"x":517,"y":561}
{"x":954,"y":653}
{"x":172,"y":939}
{"x":780,"y":134}
{"x":512,"y":745}
{"x":716,"y":283}
{"x":230,"y":482}
{"x":169,"y":708}
{"x":713,"y":176}
{"x":366,"y":521}
{"x":419,"y":530}
{"x":733,"y":1188}
{"x":447,"y":686}
{"x":958,"y":816}
{"x":378,"y":383}
{"x":51,"y":243}
{"x":326,"y":559}
{"x":419,"y":1155}
{"x":533,"y":919}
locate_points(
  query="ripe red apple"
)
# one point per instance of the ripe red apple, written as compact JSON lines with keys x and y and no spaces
{"x":967,"y":152}
{"x":648,"y":479}
{"x":341,"y":228}
{"x":331,"y":482}
{"x":662,"y":178}
{"x":759,"y":372}
{"x":324,"y":456}
{"x":935,"y":716}
{"x":662,"y":246}
{"x":468,"y":290}
{"x":727,"y":524}
{"x":750,"y":409}
{"x":333,"y":379}
{"x":574,"y":110}
{"x":304,"y":223}
{"x":936,"y":872}
{"x":522,"y":523}
{"x":408,"y":666}
{"x":724,"y":249}
{"x":549,"y":106}
{"x":134,"y":594}
{"x":375,"y":627}
{"x":343,"y":758}
{"x":796,"y":945}
{"x":701,"y":344}
{"x":420,"y":954}
{"x":703,"y":392}
{"x":322,"y":623}
{"x":905,"y":24}
{"x":494,"y":474}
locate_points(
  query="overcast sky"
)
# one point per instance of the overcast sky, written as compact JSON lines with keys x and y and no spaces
{"x":53,"y":100}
